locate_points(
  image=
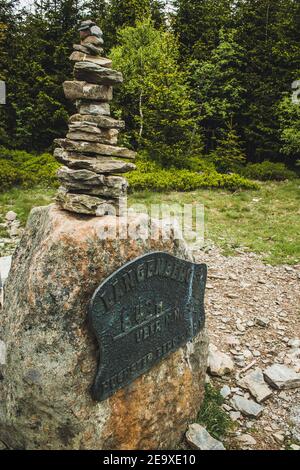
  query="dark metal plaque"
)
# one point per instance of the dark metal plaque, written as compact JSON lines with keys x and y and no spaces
{"x":142,"y":313}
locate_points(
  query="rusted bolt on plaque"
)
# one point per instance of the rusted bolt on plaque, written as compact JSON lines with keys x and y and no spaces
{"x":142,"y":313}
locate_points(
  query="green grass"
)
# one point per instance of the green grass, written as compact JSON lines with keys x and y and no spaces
{"x":266,"y":222}
{"x":212,"y":416}
{"x":21,"y":201}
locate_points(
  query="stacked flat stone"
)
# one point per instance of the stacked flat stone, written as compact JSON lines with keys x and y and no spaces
{"x":90,"y":178}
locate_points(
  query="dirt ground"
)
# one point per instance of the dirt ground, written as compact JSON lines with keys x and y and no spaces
{"x":239,"y":290}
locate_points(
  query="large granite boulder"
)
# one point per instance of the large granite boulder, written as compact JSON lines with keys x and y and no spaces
{"x":52,"y":354}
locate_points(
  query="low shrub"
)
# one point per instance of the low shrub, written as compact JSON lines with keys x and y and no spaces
{"x":267,"y":171}
{"x":161,"y":180}
{"x":19,"y":168}
{"x":9,"y":175}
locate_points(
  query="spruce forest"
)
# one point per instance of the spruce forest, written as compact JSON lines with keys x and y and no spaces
{"x":208,"y":85}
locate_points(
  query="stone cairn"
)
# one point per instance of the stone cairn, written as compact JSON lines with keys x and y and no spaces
{"x":90,"y":181}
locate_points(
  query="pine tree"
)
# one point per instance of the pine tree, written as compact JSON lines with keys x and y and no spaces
{"x":217,"y":87}
{"x":229,"y":154}
{"x":288,"y":114}
{"x":40,"y":64}
{"x":270,"y":36}
{"x":9,"y":20}
{"x":197,"y":24}
{"x":123,"y":13}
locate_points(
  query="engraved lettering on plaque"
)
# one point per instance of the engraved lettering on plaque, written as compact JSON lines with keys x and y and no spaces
{"x":142,"y":313}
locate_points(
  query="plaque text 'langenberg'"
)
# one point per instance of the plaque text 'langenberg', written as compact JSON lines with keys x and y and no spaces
{"x":143,"y":312}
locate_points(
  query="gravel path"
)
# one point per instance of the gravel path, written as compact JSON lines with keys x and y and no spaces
{"x":252,"y":314}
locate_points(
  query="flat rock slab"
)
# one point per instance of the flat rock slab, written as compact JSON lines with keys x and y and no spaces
{"x":282,"y":377}
{"x":255,"y":383}
{"x":95,"y":40}
{"x":105,"y":122}
{"x":198,"y":438}
{"x":95,"y":148}
{"x":92,"y":107}
{"x":219,"y":363}
{"x":88,"y":182}
{"x":77,"y":56}
{"x":91,"y":128}
{"x":86,"y":204}
{"x":75,"y":90}
{"x":87,"y":49}
{"x":246,"y":407}
{"x":108,"y":137}
{"x":99,"y":165}
{"x":94,"y":73}
{"x":52,"y":355}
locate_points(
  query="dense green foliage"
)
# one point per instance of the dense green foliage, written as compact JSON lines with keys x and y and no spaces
{"x":268,"y":171}
{"x":154,"y":178}
{"x":19,"y":168}
{"x":211,"y":82}
{"x":155,"y":99}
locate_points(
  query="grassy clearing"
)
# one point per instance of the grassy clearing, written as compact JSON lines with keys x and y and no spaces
{"x":21,"y":201}
{"x":265,"y":221}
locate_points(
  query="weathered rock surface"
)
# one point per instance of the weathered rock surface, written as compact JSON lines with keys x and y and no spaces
{"x":246,"y":439}
{"x":93,"y":107}
{"x":219,"y":363}
{"x":294,"y":343}
{"x":91,"y":128}
{"x":103,"y":165}
{"x":52,"y":356}
{"x":254,"y":382}
{"x":225,"y":391}
{"x":97,"y":51}
{"x":109,"y":137}
{"x":105,"y":122}
{"x":198,"y":438}
{"x":10,"y":216}
{"x":95,"y":149}
{"x":87,"y":204}
{"x":88,"y":49}
{"x":246,"y":407}
{"x":82,"y":90}
{"x":95,"y":40}
{"x":77,"y":56}
{"x":295,"y":422}
{"x":282,"y":377}
{"x":88,"y":182}
{"x":94,"y":73}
